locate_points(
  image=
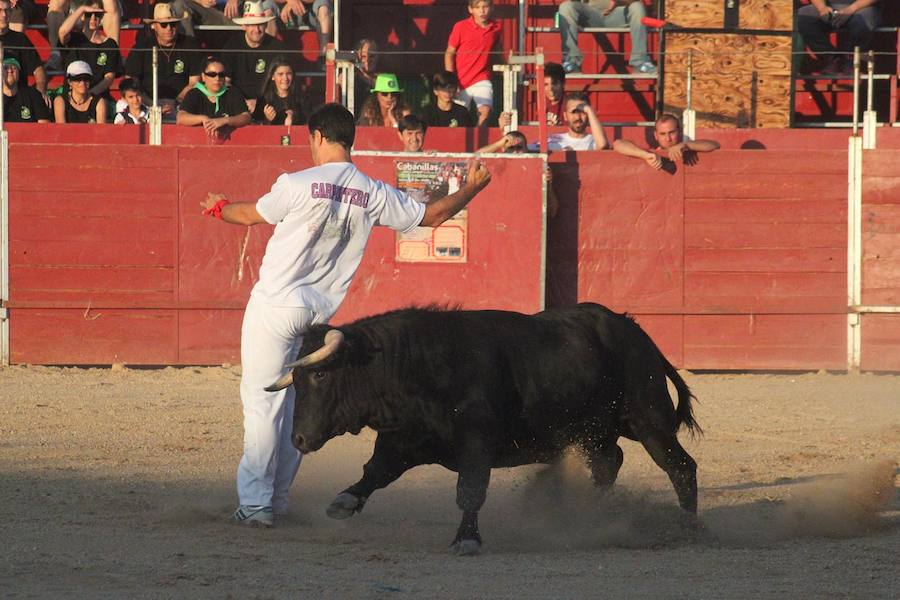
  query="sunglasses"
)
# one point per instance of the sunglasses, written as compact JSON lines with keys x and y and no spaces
{"x":97,"y":14}
{"x":168,"y":25}
{"x":219,"y":74}
{"x":387,"y":93}
{"x":83,"y":78}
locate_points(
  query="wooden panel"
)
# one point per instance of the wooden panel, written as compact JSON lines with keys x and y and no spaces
{"x":739,"y":80}
{"x":880,"y":349}
{"x":102,"y":336}
{"x":776,"y":292}
{"x":795,"y":341}
{"x":752,"y":14}
{"x":209,"y":337}
{"x":667,"y":332}
{"x":881,"y":228}
{"x":629,"y":234}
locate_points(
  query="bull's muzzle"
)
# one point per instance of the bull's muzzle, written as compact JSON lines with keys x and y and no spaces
{"x":332,"y":342}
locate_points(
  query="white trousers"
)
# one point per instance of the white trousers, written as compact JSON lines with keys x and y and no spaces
{"x":270,"y":338}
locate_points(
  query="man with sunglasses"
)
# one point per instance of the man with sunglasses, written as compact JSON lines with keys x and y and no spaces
{"x":83,"y":35}
{"x":21,"y":103}
{"x":179,"y":59}
{"x":248,"y":56}
{"x":17,"y":45}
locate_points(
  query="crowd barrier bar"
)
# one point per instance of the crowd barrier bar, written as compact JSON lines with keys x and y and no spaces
{"x":4,"y":243}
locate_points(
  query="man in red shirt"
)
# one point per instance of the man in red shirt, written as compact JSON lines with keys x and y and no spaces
{"x":468,"y":56}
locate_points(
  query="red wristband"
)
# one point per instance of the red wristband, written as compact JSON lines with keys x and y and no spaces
{"x":216,"y":209}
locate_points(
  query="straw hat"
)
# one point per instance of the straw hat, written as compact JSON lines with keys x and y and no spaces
{"x":162,"y":13}
{"x":254,"y":14}
{"x":387,"y":83}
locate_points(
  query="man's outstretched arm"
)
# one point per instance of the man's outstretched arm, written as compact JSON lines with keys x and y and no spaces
{"x":443,"y":208}
{"x":238,"y":213}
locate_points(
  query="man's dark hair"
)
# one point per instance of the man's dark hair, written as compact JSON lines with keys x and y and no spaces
{"x":411,"y":122}
{"x":130,"y":84}
{"x":555,"y":72}
{"x":579,"y":96}
{"x":668,"y":117}
{"x":444,"y":79}
{"x":335,"y":123}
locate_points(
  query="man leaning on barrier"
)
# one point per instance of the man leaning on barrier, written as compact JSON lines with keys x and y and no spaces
{"x":178,"y":55}
{"x":670,"y":144}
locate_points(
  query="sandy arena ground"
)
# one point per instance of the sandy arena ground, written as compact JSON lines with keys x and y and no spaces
{"x":118,"y":484}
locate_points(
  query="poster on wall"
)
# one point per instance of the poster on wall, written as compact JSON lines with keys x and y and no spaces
{"x":427,"y":181}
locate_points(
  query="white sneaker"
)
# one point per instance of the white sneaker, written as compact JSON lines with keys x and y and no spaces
{"x":254,"y":516}
{"x":647,"y":68}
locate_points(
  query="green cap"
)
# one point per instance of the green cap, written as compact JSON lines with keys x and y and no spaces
{"x":386,"y":82}
{"x":13,"y":62}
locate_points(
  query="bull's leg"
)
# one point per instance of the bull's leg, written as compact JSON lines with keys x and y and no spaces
{"x":471,"y":491}
{"x":392,"y":457}
{"x":604,"y":462}
{"x":676,"y":462}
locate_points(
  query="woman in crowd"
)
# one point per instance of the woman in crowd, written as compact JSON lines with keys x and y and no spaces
{"x":82,"y":34}
{"x":77,"y":104}
{"x":279,"y":102}
{"x":365,"y":71}
{"x":212,"y":103}
{"x":384,"y":107}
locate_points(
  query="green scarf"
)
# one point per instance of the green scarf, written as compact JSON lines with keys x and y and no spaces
{"x":206,"y":91}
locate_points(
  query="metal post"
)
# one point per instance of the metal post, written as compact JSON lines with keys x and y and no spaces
{"x":523,"y":16}
{"x":336,"y":25}
{"x":155,"y":122}
{"x":2,"y":74}
{"x":4,"y":244}
{"x":856,"y":91}
{"x":510,"y":85}
{"x":541,"y":99}
{"x":854,"y":250}
{"x":689,"y":117}
{"x":330,"y":74}
{"x":870,"y":118}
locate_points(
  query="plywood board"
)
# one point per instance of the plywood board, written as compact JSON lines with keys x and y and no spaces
{"x":770,"y":15}
{"x":738,"y":80}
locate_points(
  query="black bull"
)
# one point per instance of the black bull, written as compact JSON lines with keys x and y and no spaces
{"x":476,"y":390}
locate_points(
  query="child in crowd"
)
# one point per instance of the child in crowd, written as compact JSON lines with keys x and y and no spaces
{"x":134,"y":111}
{"x":444,"y":112}
{"x":468,"y":55}
{"x":411,"y":130}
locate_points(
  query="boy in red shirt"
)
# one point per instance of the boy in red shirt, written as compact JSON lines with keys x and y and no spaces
{"x":468,"y":56}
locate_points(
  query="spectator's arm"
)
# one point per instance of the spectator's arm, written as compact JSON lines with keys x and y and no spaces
{"x":102,"y":85}
{"x":190,"y":119}
{"x":450,"y":59}
{"x":702,"y":145}
{"x":596,"y":128}
{"x":59,"y":109}
{"x":821,"y":7}
{"x":858,"y":5}
{"x":112,"y":19}
{"x":499,"y":146}
{"x":192,"y":81}
{"x":40,"y":80}
{"x":627,"y":148}
{"x":101,"y":111}
{"x":65,"y":30}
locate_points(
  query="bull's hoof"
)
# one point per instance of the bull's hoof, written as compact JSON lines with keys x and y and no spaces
{"x":344,"y":506}
{"x":466,"y":547}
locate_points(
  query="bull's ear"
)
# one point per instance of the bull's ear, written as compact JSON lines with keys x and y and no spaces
{"x":282,"y":383}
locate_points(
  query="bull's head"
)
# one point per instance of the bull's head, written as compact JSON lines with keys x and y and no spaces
{"x":316,"y":419}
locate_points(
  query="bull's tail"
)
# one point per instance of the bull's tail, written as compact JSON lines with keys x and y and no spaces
{"x":684,"y":412}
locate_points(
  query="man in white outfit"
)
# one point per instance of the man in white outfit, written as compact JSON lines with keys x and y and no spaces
{"x":323,"y":217}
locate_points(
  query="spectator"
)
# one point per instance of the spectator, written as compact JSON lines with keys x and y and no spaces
{"x":855,"y":23}
{"x":179,"y":59}
{"x":17,"y":45}
{"x":468,"y":55}
{"x":444,"y":112}
{"x":82,"y":33}
{"x":384,"y":107}
{"x":212,"y":103}
{"x":579,"y":116}
{"x":247,"y":57}
{"x":281,"y":101}
{"x":134,"y":112}
{"x":21,"y":103}
{"x":604,"y":13}
{"x":22,"y":13}
{"x":77,"y":104}
{"x":554,"y":92}
{"x":317,"y":14}
{"x":59,"y":10}
{"x":669,"y":144}
{"x":412,"y":133}
{"x":203,"y":12}
{"x":513,"y":142}
{"x":365,"y":72}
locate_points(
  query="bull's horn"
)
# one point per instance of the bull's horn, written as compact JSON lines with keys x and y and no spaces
{"x":282,"y":383}
{"x":333,"y":341}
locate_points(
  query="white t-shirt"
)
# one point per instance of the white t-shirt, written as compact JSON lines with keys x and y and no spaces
{"x":323,"y":217}
{"x":564,"y":141}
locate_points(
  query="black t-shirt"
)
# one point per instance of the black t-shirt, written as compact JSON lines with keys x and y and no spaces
{"x":27,"y":106}
{"x":17,"y":45}
{"x":231,"y":103}
{"x":247,"y":68}
{"x":176,"y":65}
{"x":457,"y":116}
{"x":281,"y":106}
{"x":104,"y":58}
{"x":76,"y":116}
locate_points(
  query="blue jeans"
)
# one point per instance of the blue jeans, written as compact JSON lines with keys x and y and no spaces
{"x":859,"y":29}
{"x":574,"y":14}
